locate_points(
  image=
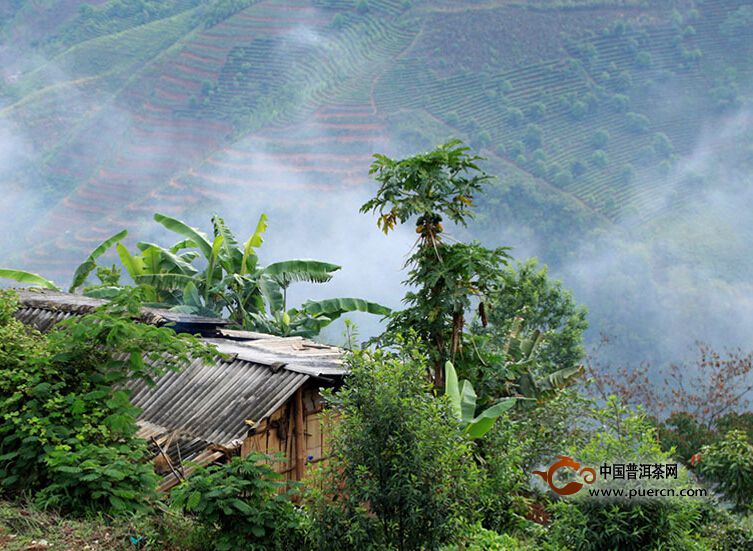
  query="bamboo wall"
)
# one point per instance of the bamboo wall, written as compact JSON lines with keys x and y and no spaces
{"x":278,"y":435}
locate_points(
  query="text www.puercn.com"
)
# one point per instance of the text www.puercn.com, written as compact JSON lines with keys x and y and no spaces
{"x":647,"y":492}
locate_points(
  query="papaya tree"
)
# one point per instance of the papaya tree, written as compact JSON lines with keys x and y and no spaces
{"x":448,"y":278}
{"x":451,"y":280}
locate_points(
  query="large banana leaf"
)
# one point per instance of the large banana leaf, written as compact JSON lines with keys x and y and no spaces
{"x":28,"y":277}
{"x":106,"y":293}
{"x":152,"y":261}
{"x":134,"y":265}
{"x":230,"y":255}
{"x":335,"y":307}
{"x":272,"y":294}
{"x":541,"y":388}
{"x":214,"y":254}
{"x":191,"y":295}
{"x":486,"y":419}
{"x":312,"y":271}
{"x":171,"y":260}
{"x":84,"y":269}
{"x":253,"y":242}
{"x":561,"y":378}
{"x":467,"y":401}
{"x":197,"y":236}
{"x":164,"y":280}
{"x":452,"y":389}
{"x":462,"y":398}
{"x":463,"y":403}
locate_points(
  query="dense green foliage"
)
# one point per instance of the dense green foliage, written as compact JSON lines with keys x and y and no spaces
{"x":67,"y":427}
{"x":115,"y":16}
{"x":595,"y":523}
{"x":242,"y":505}
{"x":411,"y":467}
{"x":402,"y":470}
{"x":527,"y":292}
{"x":729,"y":465}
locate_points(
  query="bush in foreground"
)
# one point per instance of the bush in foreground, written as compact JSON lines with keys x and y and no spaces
{"x":402,"y":475}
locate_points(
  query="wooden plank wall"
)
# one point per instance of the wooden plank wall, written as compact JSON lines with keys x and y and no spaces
{"x":276,"y":435}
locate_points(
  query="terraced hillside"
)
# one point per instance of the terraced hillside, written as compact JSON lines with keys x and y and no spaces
{"x":130,"y":106}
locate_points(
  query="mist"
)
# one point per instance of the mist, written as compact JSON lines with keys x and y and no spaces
{"x":643,"y":283}
{"x":682,"y":279}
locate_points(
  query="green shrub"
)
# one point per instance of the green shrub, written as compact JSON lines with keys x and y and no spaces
{"x":516,"y":148}
{"x":528,"y":291}
{"x":533,"y":136}
{"x":578,"y":110}
{"x":620,"y":103}
{"x":599,"y":159}
{"x":722,"y":531}
{"x":578,"y":168}
{"x":515,"y":117}
{"x":536,"y":111}
{"x":593,"y":526}
{"x":662,"y":145}
{"x":401,"y":474}
{"x":362,"y":6}
{"x":338,"y":21}
{"x":500,"y":499}
{"x":67,"y":426}
{"x":626,"y":174}
{"x":600,"y":139}
{"x":636,"y":122}
{"x":478,"y":538}
{"x":729,"y":465}
{"x":563,"y":179}
{"x":682,"y":433}
{"x":587,"y":522}
{"x":644,"y":60}
{"x":241,"y":505}
{"x":97,"y":478}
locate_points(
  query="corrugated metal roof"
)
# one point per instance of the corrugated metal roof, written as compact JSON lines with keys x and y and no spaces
{"x":214,"y":401}
{"x":207,"y":402}
{"x":43,"y":308}
{"x":292,"y":353}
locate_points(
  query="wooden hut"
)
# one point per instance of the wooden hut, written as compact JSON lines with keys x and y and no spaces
{"x":262,"y":396}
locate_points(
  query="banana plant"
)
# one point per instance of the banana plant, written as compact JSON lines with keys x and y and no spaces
{"x":520,"y":351}
{"x":545,"y":387}
{"x":313,"y":316}
{"x":216,"y":276}
{"x":463,"y":402}
{"x":28,"y":278}
{"x":253,"y":296}
{"x":85,"y":268}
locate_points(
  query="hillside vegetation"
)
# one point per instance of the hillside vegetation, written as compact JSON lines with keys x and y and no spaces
{"x":617,"y":118}
{"x":132,"y":101}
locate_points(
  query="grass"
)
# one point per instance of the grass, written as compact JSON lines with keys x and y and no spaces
{"x":23,"y":527}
